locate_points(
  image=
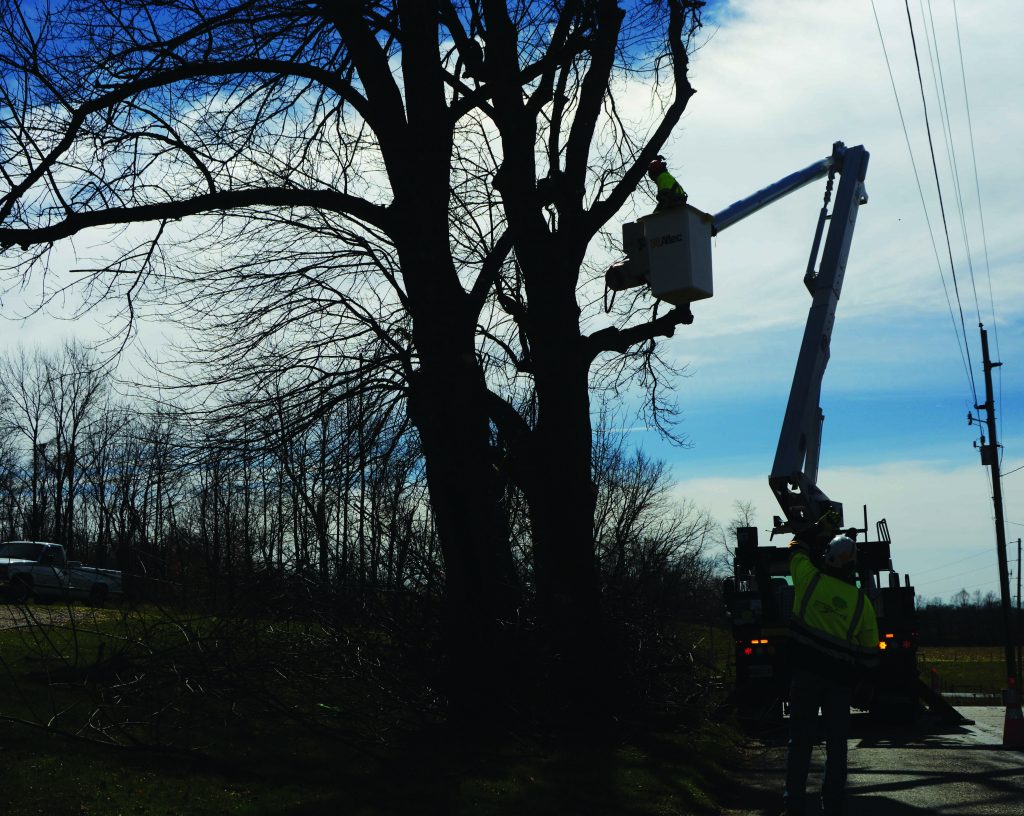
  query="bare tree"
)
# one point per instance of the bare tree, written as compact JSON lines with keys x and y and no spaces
{"x":76,"y":385}
{"x":744,"y":514}
{"x":27,"y":418}
{"x":391,"y":196}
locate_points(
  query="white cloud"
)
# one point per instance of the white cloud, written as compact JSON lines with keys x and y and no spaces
{"x":940,"y":517}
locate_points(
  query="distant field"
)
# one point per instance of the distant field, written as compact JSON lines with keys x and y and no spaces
{"x":964,"y":669}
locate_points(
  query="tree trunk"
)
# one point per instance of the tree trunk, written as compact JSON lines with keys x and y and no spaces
{"x":559,"y":479}
{"x":448,"y":404}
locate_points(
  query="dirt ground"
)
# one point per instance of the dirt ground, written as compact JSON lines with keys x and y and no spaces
{"x":14,"y":616}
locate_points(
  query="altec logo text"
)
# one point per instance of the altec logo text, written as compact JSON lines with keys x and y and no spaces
{"x":663,"y":240}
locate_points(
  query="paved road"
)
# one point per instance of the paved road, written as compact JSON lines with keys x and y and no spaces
{"x":926,"y":769}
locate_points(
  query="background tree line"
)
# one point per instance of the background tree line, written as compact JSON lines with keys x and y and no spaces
{"x":215,"y":505}
{"x":966,"y":619}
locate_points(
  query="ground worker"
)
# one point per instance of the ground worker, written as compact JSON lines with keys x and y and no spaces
{"x":670,"y":192}
{"x":833,"y":646}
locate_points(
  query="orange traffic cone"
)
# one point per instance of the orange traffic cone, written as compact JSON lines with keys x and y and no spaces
{"x":1013,"y":728}
{"x":1013,"y":724}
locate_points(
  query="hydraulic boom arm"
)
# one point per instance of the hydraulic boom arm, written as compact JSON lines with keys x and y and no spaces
{"x":794,"y":474}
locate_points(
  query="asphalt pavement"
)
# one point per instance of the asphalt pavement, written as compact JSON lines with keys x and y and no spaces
{"x":901,"y":770}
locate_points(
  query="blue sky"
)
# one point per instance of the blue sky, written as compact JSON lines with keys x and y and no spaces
{"x":777,"y":83}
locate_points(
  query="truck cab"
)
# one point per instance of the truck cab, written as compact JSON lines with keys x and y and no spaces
{"x":759,"y":603}
{"x":40,"y":569}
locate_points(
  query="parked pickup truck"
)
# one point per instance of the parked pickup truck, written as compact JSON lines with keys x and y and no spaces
{"x":41,"y":570}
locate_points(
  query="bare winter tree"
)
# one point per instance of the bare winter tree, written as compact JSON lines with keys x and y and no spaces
{"x":26,"y":421}
{"x":76,"y":384}
{"x":394,"y":197}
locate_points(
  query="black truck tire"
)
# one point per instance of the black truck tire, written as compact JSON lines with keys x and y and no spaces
{"x":98,"y":595}
{"x":760,"y":714}
{"x":21,"y":589}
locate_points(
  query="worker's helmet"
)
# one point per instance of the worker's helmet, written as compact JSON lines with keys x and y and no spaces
{"x":841,"y":553}
{"x":657,"y":167}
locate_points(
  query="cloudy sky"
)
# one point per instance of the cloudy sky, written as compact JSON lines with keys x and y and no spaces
{"x":778,"y":83}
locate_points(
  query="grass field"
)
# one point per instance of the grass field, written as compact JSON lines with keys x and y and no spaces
{"x":248,"y":736}
{"x":964,"y":669}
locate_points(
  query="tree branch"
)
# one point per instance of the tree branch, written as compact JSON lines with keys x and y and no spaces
{"x":679,"y":12}
{"x":182,"y":73}
{"x":592,"y":92}
{"x":227,"y":200}
{"x":613,"y":339}
{"x":375,"y":73}
{"x":490,"y":270}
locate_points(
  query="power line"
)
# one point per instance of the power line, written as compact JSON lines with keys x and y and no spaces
{"x":981,"y":210}
{"x":924,"y":205}
{"x":986,"y":551}
{"x":942,"y":206}
{"x":975,"y":586}
{"x":938,"y":78}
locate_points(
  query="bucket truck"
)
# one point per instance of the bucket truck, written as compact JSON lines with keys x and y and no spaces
{"x":670,"y":251}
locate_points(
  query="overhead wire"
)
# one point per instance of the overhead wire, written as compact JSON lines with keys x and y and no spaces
{"x":924,"y":206}
{"x":946,"y":124}
{"x":981,"y":214}
{"x":946,"y":121}
{"x":985,"y":551}
{"x":942,"y":206}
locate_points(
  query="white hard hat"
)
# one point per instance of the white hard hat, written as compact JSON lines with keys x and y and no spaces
{"x":841,"y":553}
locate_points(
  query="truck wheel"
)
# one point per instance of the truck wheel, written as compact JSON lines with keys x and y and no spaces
{"x":21,"y":589}
{"x":761,"y":715}
{"x":98,"y":595}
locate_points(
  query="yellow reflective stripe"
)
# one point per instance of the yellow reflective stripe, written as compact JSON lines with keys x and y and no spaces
{"x":837,"y":654}
{"x":856,"y":616}
{"x":833,"y":646}
{"x":807,"y":596}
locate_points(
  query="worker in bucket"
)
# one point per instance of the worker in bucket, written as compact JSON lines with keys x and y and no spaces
{"x":670,"y":192}
{"x":833,"y":647}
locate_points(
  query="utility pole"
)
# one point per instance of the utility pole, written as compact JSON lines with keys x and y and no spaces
{"x":1020,"y":625}
{"x":1013,"y":726}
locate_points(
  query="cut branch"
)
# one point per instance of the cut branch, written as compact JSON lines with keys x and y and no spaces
{"x":613,"y":339}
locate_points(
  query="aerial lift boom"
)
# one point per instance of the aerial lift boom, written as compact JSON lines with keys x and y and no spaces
{"x":794,"y":474}
{"x":670,"y":251}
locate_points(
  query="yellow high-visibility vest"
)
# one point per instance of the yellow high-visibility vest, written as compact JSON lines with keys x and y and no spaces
{"x":831,"y":615}
{"x":667,"y":184}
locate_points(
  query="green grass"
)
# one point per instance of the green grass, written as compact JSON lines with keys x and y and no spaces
{"x":975,"y":669}
{"x":667,"y":774}
{"x":253,"y":737}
